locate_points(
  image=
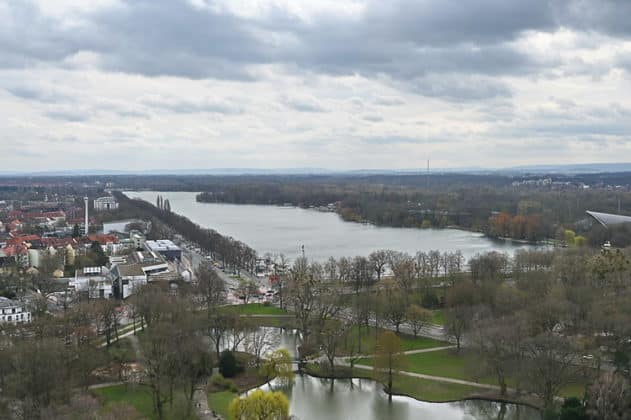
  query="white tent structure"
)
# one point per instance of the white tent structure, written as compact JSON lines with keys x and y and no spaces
{"x":607,"y":219}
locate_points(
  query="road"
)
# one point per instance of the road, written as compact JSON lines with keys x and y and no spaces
{"x":193,"y":259}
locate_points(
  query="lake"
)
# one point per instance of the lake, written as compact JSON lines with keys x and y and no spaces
{"x":276,"y":230}
{"x":311,"y":398}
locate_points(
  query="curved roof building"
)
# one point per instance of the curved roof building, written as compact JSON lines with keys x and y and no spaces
{"x":607,"y":219}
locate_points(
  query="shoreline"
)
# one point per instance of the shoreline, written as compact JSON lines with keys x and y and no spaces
{"x":543,"y":242}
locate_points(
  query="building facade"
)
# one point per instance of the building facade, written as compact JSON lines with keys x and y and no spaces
{"x":13,"y":311}
{"x":105,"y":204}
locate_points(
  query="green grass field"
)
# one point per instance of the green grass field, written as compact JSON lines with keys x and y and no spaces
{"x":449,"y":364}
{"x":431,"y":391}
{"x":408,"y":342}
{"x":219,"y":402}
{"x":420,"y":389}
{"x":255,"y":309}
{"x":438,"y":317}
{"x":140,"y":398}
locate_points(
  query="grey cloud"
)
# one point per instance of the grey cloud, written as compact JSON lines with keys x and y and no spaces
{"x":67,"y":115}
{"x":404,"y":40}
{"x":372,"y":118}
{"x":384,"y":140}
{"x":303,"y":104}
{"x":594,"y":123}
{"x":457,"y":87}
{"x":36,"y":94}
{"x":182,"y":106}
{"x":389,"y":101}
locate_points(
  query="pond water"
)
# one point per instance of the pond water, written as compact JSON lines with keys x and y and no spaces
{"x":275,"y":230}
{"x":273,"y":339}
{"x":312,"y":398}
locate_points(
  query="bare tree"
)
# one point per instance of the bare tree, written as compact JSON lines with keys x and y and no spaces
{"x":258,"y":341}
{"x":418,"y":318}
{"x":210,"y":286}
{"x":379,"y":260}
{"x":609,"y":398}
{"x":551,"y":361}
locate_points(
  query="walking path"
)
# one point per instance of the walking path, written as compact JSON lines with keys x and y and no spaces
{"x":201,"y":403}
{"x":106,"y":384}
{"x":429,"y":350}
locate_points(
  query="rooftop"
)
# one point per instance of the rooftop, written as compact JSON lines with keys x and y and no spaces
{"x":162,"y":245}
{"x":128,"y":270}
{"x":608,"y":219}
{"x":8,"y":303}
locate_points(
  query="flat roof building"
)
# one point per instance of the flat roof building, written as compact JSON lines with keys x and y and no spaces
{"x":166,"y":248}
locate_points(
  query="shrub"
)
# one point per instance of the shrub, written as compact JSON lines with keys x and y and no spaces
{"x":228,"y":364}
{"x":430,"y":300}
{"x":220,"y":382}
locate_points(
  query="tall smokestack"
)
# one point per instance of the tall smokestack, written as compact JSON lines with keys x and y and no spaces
{"x":87,"y":223}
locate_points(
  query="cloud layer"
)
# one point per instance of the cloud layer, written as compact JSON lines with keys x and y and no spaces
{"x":289,"y":83}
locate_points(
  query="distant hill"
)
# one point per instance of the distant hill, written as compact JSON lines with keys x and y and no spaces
{"x":569,"y":169}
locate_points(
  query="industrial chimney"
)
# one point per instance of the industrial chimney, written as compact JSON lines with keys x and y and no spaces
{"x":87,"y":223}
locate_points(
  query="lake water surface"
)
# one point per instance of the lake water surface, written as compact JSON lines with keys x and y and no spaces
{"x":275,"y":230}
{"x":312,"y":398}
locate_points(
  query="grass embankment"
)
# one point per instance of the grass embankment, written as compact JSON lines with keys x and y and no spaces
{"x":219,"y":402}
{"x":454,"y":365}
{"x":438,"y":318}
{"x":255,"y":309}
{"x":222,"y":390}
{"x":368,"y":339}
{"x":139,"y":396}
{"x":420,"y":389}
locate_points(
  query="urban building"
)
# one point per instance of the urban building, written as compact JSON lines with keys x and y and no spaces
{"x":96,"y":282}
{"x":166,"y":248}
{"x":13,"y":311}
{"x":105,"y":204}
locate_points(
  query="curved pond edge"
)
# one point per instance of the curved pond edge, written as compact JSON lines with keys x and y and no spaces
{"x":447,"y":401}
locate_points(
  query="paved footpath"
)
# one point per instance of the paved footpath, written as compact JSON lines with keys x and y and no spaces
{"x":437,"y":378}
{"x":200,"y":399}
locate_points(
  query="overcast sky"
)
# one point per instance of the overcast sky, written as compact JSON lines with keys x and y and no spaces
{"x":182,"y":84}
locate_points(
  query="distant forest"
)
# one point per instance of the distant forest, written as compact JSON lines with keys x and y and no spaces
{"x":485,"y":203}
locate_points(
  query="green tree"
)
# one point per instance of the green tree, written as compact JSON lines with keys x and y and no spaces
{"x":99,"y":255}
{"x":76,"y":232}
{"x":229,"y":367}
{"x":278,"y":365}
{"x":260,"y":405}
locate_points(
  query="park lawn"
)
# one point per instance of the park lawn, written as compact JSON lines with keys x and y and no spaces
{"x":438,"y":317}
{"x":219,"y":402}
{"x":255,"y":309}
{"x":408,"y":342}
{"x":420,"y":389}
{"x":432,"y":391}
{"x":443,"y":363}
{"x":449,"y":364}
{"x":573,"y":390}
{"x":140,"y":398}
{"x":278,"y":321}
